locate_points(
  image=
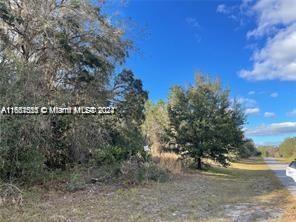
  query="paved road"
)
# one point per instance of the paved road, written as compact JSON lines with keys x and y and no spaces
{"x":280,"y":171}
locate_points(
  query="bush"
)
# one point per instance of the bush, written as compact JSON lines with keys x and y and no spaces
{"x":134,"y":171}
{"x":110,"y":155}
{"x":21,"y":157}
{"x":151,"y":171}
{"x":76,"y":183}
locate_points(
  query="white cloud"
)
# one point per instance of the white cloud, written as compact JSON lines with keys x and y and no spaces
{"x":274,"y":95}
{"x":273,"y":129}
{"x":246,"y":102}
{"x":250,"y":105}
{"x":252,"y":111}
{"x":276,"y":19}
{"x":292,"y":113}
{"x":271,"y":13}
{"x":222,"y":9}
{"x":269,"y":115}
{"x":251,"y":93}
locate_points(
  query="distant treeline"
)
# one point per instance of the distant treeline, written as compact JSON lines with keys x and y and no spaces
{"x":287,"y":149}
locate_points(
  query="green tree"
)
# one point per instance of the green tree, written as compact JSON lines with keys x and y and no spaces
{"x":247,"y":149}
{"x":203,"y":122}
{"x":287,"y":148}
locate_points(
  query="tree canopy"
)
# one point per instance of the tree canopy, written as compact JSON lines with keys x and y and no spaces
{"x":64,"y":53}
{"x":287,"y":148}
{"x":203,"y":122}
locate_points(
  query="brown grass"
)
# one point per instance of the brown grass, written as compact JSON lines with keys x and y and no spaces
{"x":166,"y":160}
{"x":169,"y":161}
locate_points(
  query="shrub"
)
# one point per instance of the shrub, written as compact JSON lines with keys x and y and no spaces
{"x":134,"y":171}
{"x":76,"y":183}
{"x":110,"y":155}
{"x":21,"y":156}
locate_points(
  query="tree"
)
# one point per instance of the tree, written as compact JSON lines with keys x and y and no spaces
{"x":70,"y":43}
{"x":288,"y":148}
{"x":64,"y":53}
{"x":156,"y":125}
{"x":129,"y":97}
{"x":203,"y":122}
{"x":269,"y":151}
{"x":247,"y":149}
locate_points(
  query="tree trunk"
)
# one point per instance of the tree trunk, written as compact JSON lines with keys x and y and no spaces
{"x":199,"y":163}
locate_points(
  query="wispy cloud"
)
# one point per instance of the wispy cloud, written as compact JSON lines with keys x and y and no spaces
{"x":249,"y":105}
{"x":252,"y":111}
{"x":222,"y":8}
{"x":193,"y":22}
{"x":274,"y":95}
{"x":235,"y":12}
{"x":247,"y":102}
{"x":273,"y":129}
{"x":251,"y":93}
{"x":269,"y":115}
{"x":292,"y":113}
{"x":276,"y":21}
{"x":196,"y":27}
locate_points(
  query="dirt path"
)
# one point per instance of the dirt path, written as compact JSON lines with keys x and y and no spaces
{"x":280,"y":171}
{"x":247,"y":191}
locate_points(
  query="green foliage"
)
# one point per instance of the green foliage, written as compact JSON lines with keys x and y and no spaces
{"x":203,"y":123}
{"x":136,"y":172}
{"x":152,"y":172}
{"x":129,"y":97}
{"x":75,"y":183}
{"x":23,"y":138}
{"x":26,"y":164}
{"x":64,"y":61}
{"x":247,"y":149}
{"x":288,"y":148}
{"x":110,"y":155}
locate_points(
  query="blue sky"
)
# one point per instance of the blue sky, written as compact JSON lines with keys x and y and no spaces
{"x":248,"y":44}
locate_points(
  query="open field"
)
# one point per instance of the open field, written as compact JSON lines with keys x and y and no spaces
{"x":247,"y":191}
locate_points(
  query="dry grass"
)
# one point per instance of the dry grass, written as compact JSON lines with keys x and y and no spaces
{"x":247,"y":191}
{"x":166,"y":160}
{"x":169,"y":161}
{"x":285,"y":160}
{"x":290,"y":213}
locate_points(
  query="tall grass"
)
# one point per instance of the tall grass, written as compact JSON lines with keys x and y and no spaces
{"x":166,"y":160}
